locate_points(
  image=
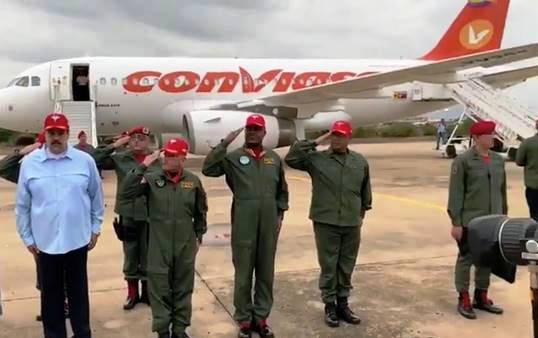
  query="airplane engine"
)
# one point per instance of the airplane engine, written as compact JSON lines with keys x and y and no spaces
{"x":206,"y":128}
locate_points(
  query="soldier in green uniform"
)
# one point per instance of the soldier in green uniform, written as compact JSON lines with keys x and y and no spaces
{"x":10,"y":166}
{"x":83,"y":144}
{"x":341,"y":195}
{"x":131,"y":227}
{"x":527,"y":157}
{"x":177,"y":208}
{"x":477,"y":188}
{"x":260,"y":197}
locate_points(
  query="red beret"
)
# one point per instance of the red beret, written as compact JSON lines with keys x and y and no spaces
{"x":41,"y":138}
{"x":483,"y":128}
{"x":342,"y":127}
{"x":56,"y":121}
{"x":176,"y":147}
{"x":82,"y":133}
{"x":139,"y":130}
{"x":255,"y":120}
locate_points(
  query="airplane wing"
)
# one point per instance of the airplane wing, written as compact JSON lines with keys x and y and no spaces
{"x":510,"y":77}
{"x":435,"y":72}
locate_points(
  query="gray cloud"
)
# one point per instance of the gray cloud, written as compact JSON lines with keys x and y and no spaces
{"x":46,"y":30}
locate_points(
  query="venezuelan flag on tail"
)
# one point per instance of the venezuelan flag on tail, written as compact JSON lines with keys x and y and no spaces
{"x":478,"y":28}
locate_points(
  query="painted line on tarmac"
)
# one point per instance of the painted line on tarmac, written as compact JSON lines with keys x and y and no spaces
{"x":391,"y":197}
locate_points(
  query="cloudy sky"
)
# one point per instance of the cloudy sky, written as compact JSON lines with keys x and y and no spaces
{"x":36,"y":31}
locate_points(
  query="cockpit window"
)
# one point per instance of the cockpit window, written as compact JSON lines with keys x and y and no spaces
{"x":12,"y":82}
{"x":23,"y":82}
{"x":36,"y":81}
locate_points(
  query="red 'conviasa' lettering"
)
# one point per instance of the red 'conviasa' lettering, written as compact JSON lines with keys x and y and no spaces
{"x":184,"y":81}
{"x":229,"y":81}
{"x":310,"y":79}
{"x":133,"y":82}
{"x":179,"y":82}
{"x":249,"y":85}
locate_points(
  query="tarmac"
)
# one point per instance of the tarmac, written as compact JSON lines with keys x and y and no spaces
{"x":403,"y":279}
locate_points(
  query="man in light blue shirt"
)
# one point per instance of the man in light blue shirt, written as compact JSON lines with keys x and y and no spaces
{"x":59,"y":211}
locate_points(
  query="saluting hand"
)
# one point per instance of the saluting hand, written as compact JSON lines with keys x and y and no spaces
{"x":148,"y":161}
{"x":232,"y":136}
{"x":457,"y":232}
{"x":123,"y":140}
{"x":323,"y":137}
{"x":28,"y":149}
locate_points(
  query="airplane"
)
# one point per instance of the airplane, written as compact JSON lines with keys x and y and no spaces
{"x":205,"y":98}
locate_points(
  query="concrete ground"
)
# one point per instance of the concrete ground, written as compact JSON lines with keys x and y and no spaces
{"x":403,"y":280}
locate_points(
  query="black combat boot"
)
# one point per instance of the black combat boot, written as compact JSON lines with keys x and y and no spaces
{"x":482,"y":302}
{"x":344,"y":312}
{"x":331,"y":319}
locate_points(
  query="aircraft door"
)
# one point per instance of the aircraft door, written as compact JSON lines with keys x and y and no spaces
{"x":60,"y":81}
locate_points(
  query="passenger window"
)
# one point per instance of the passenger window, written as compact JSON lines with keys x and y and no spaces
{"x":113,"y":81}
{"x":36,"y":81}
{"x":102,"y":81}
{"x":23,"y":82}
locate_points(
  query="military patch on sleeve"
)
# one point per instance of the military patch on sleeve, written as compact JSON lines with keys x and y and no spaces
{"x":454,"y":169}
{"x":268,"y":160}
{"x":160,"y":182}
{"x":187,"y":185}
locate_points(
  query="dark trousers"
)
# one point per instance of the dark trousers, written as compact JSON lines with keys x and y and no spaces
{"x":532,"y":201}
{"x":67,"y":271}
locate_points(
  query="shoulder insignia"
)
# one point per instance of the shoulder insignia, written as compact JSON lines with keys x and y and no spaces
{"x":160,"y":182}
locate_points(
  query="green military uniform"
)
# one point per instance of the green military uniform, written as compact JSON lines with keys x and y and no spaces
{"x":527,"y":156}
{"x":260,"y":194}
{"x":133,"y":212}
{"x":88,"y":148}
{"x":476,"y":189}
{"x":10,"y":167}
{"x":341,"y":194}
{"x":177,"y":217}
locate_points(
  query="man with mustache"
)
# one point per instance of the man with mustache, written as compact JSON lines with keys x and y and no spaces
{"x":341,"y":195}
{"x":59,"y":209}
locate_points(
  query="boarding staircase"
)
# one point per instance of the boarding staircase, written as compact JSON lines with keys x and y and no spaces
{"x":81,"y":116}
{"x":515,"y":122}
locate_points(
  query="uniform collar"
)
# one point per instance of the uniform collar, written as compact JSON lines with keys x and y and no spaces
{"x":252,"y":154}
{"x":476,"y":154}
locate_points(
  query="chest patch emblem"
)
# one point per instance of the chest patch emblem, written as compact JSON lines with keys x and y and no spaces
{"x":268,"y":160}
{"x":187,"y":185}
{"x":244,"y":160}
{"x":160,"y":182}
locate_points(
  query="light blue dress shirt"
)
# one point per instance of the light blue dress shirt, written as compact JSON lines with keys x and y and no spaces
{"x":59,"y":200}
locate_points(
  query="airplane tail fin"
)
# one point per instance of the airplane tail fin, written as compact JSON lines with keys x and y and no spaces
{"x":478,"y":28}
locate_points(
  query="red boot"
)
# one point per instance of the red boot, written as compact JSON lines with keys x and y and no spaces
{"x":132,"y":294}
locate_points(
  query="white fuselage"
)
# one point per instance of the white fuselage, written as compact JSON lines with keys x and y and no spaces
{"x":170,"y":87}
